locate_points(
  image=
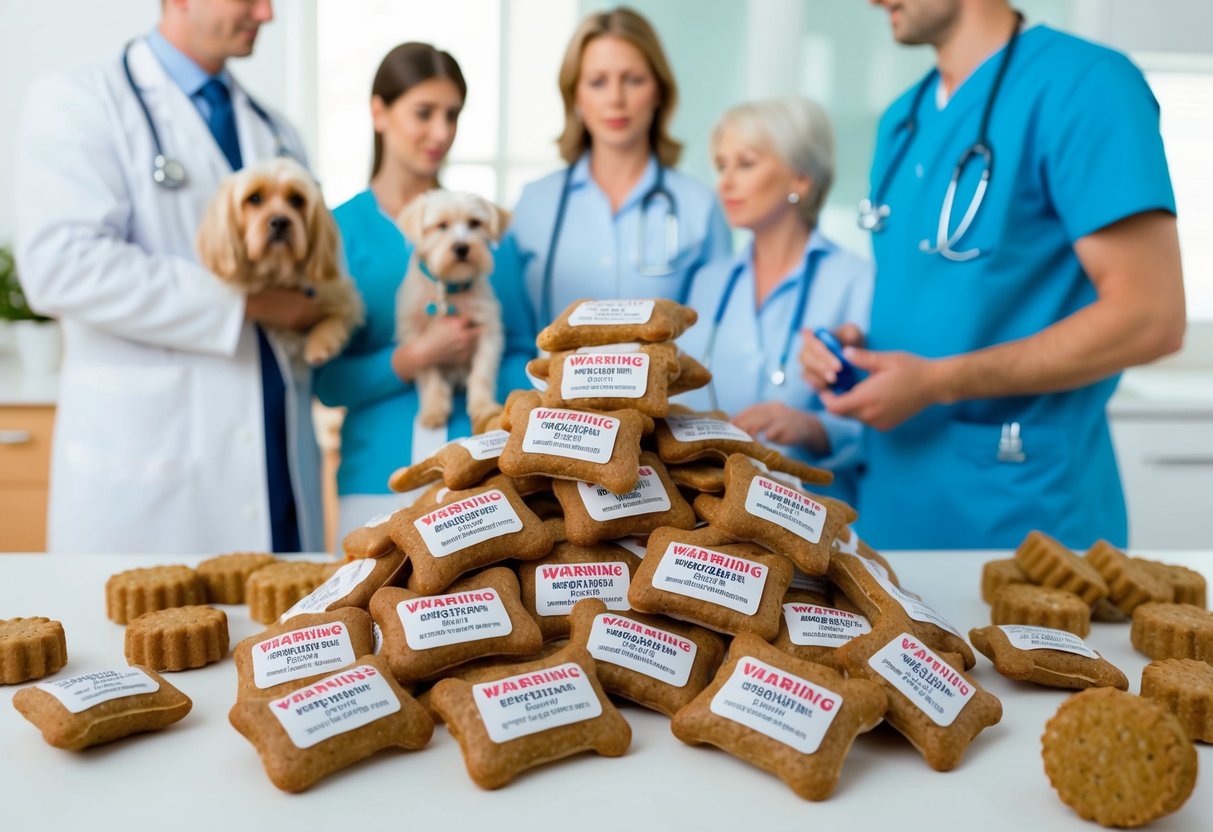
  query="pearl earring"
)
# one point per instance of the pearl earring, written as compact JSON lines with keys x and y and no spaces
{"x":793,"y":198}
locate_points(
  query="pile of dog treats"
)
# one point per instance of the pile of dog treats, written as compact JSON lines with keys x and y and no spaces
{"x":598,"y":541}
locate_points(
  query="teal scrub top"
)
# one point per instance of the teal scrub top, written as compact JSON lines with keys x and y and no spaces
{"x":751,"y":339}
{"x":599,"y":249}
{"x":377,"y":433}
{"x":1077,"y":147}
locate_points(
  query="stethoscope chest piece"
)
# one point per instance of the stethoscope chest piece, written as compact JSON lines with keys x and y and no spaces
{"x":779,"y":375}
{"x":873,"y":211}
{"x":872,"y":215}
{"x":170,"y":173}
{"x":167,"y":172}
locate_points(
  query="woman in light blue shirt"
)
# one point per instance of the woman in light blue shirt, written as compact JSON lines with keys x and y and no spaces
{"x":775,"y":163}
{"x":417,"y":95}
{"x":600,"y":228}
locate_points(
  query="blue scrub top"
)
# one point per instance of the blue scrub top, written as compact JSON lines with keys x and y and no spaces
{"x":1076,"y":148}
{"x":599,"y":249}
{"x":377,"y":434}
{"x":751,"y":339}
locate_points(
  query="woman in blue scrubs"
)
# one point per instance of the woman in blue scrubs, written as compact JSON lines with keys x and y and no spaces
{"x":775,"y":164}
{"x":998,"y":333}
{"x":416,"y":98}
{"x":600,"y":228}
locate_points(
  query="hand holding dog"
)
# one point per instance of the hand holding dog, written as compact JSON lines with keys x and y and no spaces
{"x":448,"y":342}
{"x":283,"y":309}
{"x":452,"y":234}
{"x":268,"y":233}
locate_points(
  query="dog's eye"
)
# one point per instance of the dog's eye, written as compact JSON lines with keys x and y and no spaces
{"x":254,"y":198}
{"x":296,"y":201}
{"x":442,"y":226}
{"x":473,"y":223}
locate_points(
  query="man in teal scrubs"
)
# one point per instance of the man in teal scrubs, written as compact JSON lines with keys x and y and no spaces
{"x":990,"y":363}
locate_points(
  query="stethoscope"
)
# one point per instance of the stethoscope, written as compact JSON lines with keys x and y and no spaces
{"x":873,"y":211}
{"x":669,"y":252}
{"x":780,"y":374}
{"x":167,"y":172}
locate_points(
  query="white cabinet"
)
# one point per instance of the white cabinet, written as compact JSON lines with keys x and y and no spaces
{"x":1166,"y":464}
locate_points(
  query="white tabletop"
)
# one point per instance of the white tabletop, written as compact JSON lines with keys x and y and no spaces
{"x":201,"y":775}
{"x":20,"y":388}
{"x":1144,"y":392}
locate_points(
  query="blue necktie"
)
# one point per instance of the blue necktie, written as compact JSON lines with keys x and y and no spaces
{"x":284,"y":525}
{"x":222,"y":120}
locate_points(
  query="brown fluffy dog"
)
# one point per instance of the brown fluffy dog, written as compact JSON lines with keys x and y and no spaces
{"x":268,"y":228}
{"x":447,"y":274}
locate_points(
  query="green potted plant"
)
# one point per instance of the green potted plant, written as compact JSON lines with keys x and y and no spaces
{"x":36,"y":336}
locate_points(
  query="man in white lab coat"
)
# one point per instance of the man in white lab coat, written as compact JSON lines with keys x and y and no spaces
{"x":180,"y":427}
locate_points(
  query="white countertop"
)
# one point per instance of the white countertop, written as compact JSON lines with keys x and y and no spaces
{"x":200,"y":774}
{"x":1157,"y":392}
{"x":21,"y":389}
{"x":1143,"y":392}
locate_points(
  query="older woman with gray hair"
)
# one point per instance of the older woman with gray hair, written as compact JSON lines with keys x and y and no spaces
{"x":775,"y":163}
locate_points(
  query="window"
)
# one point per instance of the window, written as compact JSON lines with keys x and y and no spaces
{"x":1183,"y":85}
{"x":509,"y":52}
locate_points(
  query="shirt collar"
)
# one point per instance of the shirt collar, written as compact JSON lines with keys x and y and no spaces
{"x":581,"y":176}
{"x":745,"y":260}
{"x":186,"y":74}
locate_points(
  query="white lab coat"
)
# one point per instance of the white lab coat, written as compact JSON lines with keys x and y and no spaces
{"x":159,"y":436}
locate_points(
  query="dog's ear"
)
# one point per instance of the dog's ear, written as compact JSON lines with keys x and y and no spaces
{"x":322,"y":245}
{"x":412,"y":220}
{"x":500,"y":220}
{"x":220,"y":241}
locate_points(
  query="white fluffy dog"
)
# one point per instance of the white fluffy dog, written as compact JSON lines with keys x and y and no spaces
{"x":447,"y":275}
{"x":267,"y":228}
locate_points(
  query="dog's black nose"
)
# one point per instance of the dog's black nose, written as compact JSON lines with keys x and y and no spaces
{"x":279,"y":226}
{"x":461,"y":250}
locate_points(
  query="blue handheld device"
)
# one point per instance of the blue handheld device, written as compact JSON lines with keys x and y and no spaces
{"x":848,"y":376}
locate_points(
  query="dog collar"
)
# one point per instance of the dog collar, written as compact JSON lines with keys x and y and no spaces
{"x":451,"y":288}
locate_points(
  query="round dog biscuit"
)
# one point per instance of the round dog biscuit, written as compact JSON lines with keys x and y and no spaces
{"x":1118,"y":759}
{"x":225,"y":575}
{"x":996,"y":574}
{"x":30,"y":648}
{"x":1173,"y":631}
{"x":130,"y":594}
{"x":274,"y":589}
{"x":177,"y":638}
{"x":1185,"y":688}
{"x":1048,"y":563}
{"x":1187,"y":585}
{"x":1041,"y":606}
{"x":1129,"y":585}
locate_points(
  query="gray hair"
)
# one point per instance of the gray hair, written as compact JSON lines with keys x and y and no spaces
{"x":798,"y":131}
